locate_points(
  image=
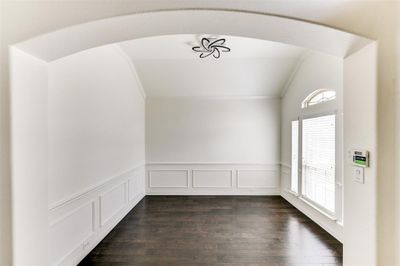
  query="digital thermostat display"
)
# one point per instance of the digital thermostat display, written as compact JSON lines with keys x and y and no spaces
{"x":360,"y":158}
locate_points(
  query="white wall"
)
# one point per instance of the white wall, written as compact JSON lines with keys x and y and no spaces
{"x":213,"y":134}
{"x":29,"y":159}
{"x":96,"y":121}
{"x":212,"y":130}
{"x":96,"y":149}
{"x":317,"y":71}
{"x":360,"y":203}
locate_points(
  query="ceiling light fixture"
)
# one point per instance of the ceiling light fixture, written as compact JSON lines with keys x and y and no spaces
{"x":211,"y":47}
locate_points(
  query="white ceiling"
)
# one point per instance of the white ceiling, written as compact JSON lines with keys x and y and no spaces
{"x":167,"y":66}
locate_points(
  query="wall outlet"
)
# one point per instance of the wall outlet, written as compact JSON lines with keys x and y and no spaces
{"x":85,"y":244}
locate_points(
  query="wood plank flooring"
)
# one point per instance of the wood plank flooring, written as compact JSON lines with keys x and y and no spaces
{"x":216,"y":230}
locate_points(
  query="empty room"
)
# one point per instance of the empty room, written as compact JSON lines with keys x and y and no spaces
{"x":143,"y":134}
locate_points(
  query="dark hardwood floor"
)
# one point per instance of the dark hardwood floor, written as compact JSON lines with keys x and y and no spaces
{"x":216,"y":230}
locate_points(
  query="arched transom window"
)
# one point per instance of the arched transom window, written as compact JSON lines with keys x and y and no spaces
{"x":317,"y":97}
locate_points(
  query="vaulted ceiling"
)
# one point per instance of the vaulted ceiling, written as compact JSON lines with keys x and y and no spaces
{"x":168,"y":67}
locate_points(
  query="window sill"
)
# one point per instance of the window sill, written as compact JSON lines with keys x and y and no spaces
{"x":340,"y":223}
{"x":315,"y":207}
{"x":292,"y":193}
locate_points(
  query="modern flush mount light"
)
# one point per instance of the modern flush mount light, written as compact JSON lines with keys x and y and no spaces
{"x":211,"y":47}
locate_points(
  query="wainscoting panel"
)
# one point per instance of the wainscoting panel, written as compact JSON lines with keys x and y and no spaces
{"x":285,"y":176}
{"x":212,"y":179}
{"x":112,"y":202}
{"x":168,"y":178}
{"x":257,"y":179}
{"x":136,"y":185}
{"x":78,"y":223}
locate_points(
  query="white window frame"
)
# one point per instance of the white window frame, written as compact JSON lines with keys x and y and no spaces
{"x":337,"y":215}
{"x":306,"y":102}
{"x":298,"y":155}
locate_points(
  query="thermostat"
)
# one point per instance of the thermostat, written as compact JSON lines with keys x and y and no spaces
{"x":360,"y":158}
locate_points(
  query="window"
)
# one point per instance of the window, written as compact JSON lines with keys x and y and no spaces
{"x":314,"y":171}
{"x":317,"y":97}
{"x":318,"y":161}
{"x":295,"y":157}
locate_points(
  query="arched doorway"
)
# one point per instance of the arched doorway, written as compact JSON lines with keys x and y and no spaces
{"x":30,"y":189}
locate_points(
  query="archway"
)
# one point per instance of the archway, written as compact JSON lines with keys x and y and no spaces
{"x":29,"y":58}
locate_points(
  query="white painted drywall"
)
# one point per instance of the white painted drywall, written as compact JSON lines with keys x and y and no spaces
{"x":212,"y":146}
{"x":95,"y":121}
{"x":212,"y":130}
{"x":316,"y":71}
{"x":360,"y":120}
{"x":29,"y":159}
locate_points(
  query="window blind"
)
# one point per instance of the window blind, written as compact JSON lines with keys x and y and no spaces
{"x":318,"y":160}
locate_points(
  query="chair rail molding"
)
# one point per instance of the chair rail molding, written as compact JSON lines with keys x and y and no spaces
{"x":79,"y":222}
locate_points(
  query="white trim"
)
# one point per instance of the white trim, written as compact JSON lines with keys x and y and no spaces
{"x":294,"y":193}
{"x":103,"y":221}
{"x":84,"y":193}
{"x":255,"y":170}
{"x":216,"y":192}
{"x":312,"y":204}
{"x":305,"y":103}
{"x":77,"y":255}
{"x":212,"y":170}
{"x":131,"y":196}
{"x":332,"y":227}
{"x":219,"y":97}
{"x":163,"y":170}
{"x":233,"y":168}
{"x":212,"y":163}
{"x":334,"y":112}
{"x":86,"y":238}
{"x":71,"y":212}
{"x":316,"y":206}
{"x":100,"y":227}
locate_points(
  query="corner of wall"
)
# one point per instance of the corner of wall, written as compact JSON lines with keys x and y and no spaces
{"x":132,"y":67}
{"x":293,"y":74}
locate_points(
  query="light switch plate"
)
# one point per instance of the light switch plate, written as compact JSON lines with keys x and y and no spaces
{"x":358,"y":174}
